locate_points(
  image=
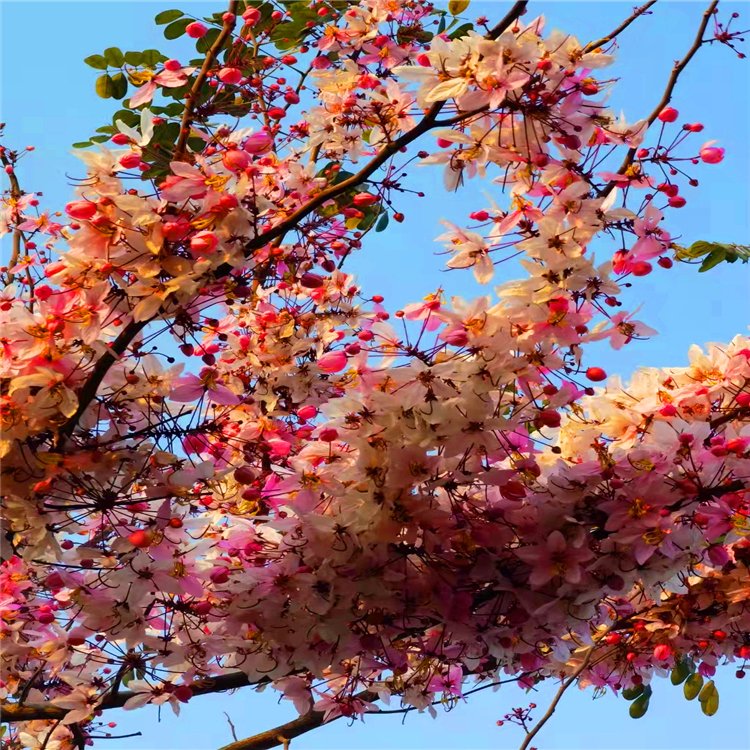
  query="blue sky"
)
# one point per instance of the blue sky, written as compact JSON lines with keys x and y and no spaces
{"x":47,"y":99}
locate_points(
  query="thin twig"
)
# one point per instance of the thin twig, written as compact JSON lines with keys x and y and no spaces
{"x":558,"y":695}
{"x":231,"y":726}
{"x":637,"y":13}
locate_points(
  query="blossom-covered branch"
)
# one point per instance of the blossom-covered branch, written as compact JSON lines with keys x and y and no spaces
{"x":225,"y":465}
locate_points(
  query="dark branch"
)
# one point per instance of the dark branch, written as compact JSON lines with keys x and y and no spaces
{"x":637,"y":13}
{"x":192,"y":97}
{"x":679,"y":66}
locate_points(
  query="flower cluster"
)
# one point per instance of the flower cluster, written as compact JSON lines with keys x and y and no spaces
{"x":220,"y":458}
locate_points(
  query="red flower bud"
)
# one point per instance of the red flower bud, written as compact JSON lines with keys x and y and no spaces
{"x":668,"y":114}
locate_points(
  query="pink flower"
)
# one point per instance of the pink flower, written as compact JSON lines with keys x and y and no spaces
{"x":80,"y":703}
{"x":192,"y":388}
{"x":196,"y":30}
{"x":186,"y":182}
{"x":711,"y":154}
{"x":555,"y":557}
{"x":168,"y":78}
{"x":448,"y":684}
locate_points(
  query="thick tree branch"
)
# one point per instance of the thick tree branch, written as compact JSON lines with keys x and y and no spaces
{"x":15,"y":194}
{"x":426,"y":123}
{"x":192,"y":97}
{"x":13,"y":712}
{"x":89,"y":390}
{"x":88,"y":393}
{"x":282,"y":734}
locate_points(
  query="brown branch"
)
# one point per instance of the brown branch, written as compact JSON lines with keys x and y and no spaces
{"x":731,"y":415}
{"x":15,"y":194}
{"x":679,"y":66}
{"x":427,"y":123}
{"x":13,"y":712}
{"x":637,"y":13}
{"x":192,"y":97}
{"x":284,"y":733}
{"x":89,"y":390}
{"x":558,"y":696}
{"x":121,"y":343}
{"x":231,"y":726}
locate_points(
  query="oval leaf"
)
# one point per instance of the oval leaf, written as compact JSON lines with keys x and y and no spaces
{"x":693,"y":686}
{"x":206,"y":42}
{"x":134,"y":58}
{"x":462,"y":30}
{"x":708,"y":690}
{"x":680,"y":673}
{"x":713,"y":259}
{"x":710,"y":704}
{"x":103,"y":86}
{"x":632,"y":693}
{"x":119,"y":86}
{"x":176,"y":29}
{"x":152,"y":57}
{"x":167,"y":16}
{"x":457,"y":7}
{"x":700,"y":248}
{"x":639,"y":707}
{"x":96,"y":61}
{"x":114,"y":56}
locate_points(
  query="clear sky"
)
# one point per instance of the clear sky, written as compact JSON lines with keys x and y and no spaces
{"x":47,"y":99}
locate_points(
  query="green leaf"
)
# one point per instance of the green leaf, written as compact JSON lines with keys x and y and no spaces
{"x":692,"y":686}
{"x":204,"y":43}
{"x":96,"y":61}
{"x":99,"y":138}
{"x":127,"y":116}
{"x":632,"y":693}
{"x":709,"y":698}
{"x":82,"y":144}
{"x":114,"y":56}
{"x":152,"y":57}
{"x":166,"y":16}
{"x":697,"y":249}
{"x":639,"y":707}
{"x":457,"y":7}
{"x":681,"y":672}
{"x":127,"y":677}
{"x":119,"y":86}
{"x":176,"y":29}
{"x":462,"y":30}
{"x":103,"y":86}
{"x":382,"y":222}
{"x":134,"y":58}
{"x":713,"y":259}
